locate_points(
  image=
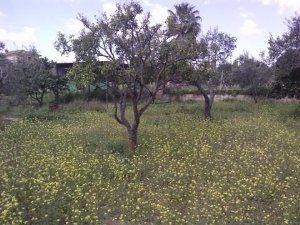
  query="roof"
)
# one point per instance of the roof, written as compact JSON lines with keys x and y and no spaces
{"x":16,"y":52}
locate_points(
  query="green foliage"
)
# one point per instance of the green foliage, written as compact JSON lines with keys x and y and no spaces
{"x":30,"y":76}
{"x":184,"y":22}
{"x":80,"y":106}
{"x":287,"y":71}
{"x":57,"y":84}
{"x":284,"y":52}
{"x":98,"y":94}
{"x":84,"y":74}
{"x":260,"y":91}
{"x":243,"y":168}
{"x":137,"y":54}
{"x":288,"y":41}
{"x":5,"y":67}
{"x":70,"y":97}
{"x":251,"y":74}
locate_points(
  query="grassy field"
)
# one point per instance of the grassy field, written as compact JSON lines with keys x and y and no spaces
{"x":73,"y":166}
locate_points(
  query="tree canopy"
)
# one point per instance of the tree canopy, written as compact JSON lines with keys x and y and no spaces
{"x":139,"y":56}
{"x":284,"y":51}
{"x":251,"y":74}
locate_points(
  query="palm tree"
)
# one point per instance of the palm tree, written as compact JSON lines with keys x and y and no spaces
{"x":184,"y":22}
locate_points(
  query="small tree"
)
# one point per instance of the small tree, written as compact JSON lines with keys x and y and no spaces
{"x":216,"y":48}
{"x":57,"y":84}
{"x":138,"y":56}
{"x":225,"y":75}
{"x":287,"y":83}
{"x":4,"y":65}
{"x":85,"y":74}
{"x":31,"y":76}
{"x":212,"y":49}
{"x":251,"y":74}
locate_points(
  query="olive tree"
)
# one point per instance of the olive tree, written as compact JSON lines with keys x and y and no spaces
{"x":217,"y":47}
{"x":138,"y":54}
{"x":85,"y":74}
{"x":57,"y":84}
{"x":284,"y":52}
{"x":211,"y":50}
{"x":30,"y":76}
{"x":251,"y":74}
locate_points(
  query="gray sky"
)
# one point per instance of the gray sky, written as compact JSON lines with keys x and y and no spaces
{"x":36,"y":22}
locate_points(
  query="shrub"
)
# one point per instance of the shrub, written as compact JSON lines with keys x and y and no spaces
{"x":98,"y":94}
{"x":81,"y":105}
{"x":70,"y":97}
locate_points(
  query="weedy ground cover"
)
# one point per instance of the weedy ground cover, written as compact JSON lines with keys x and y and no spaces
{"x":73,"y":166}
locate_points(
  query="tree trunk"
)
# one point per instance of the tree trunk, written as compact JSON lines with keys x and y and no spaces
{"x":208,"y":101}
{"x":255,"y":99}
{"x":207,"y":107}
{"x":87,"y":93}
{"x":132,"y":139}
{"x":255,"y":96}
{"x":56,"y":96}
{"x":42,"y":99}
{"x":120,"y":114}
{"x":134,"y":127}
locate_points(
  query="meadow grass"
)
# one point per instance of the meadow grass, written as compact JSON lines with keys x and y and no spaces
{"x":73,"y":166}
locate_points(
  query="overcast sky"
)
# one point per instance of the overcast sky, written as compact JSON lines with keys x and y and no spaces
{"x":36,"y":22}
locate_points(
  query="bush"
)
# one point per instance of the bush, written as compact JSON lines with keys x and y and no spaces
{"x":261,"y":91}
{"x":81,"y":105}
{"x":280,"y":90}
{"x":98,"y":94}
{"x":181,"y":90}
{"x":70,"y":97}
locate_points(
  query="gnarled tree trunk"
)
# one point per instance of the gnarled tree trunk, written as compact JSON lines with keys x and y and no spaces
{"x":208,"y":101}
{"x":207,"y":106}
{"x":255,"y":95}
{"x":132,"y":137}
{"x":132,"y":128}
